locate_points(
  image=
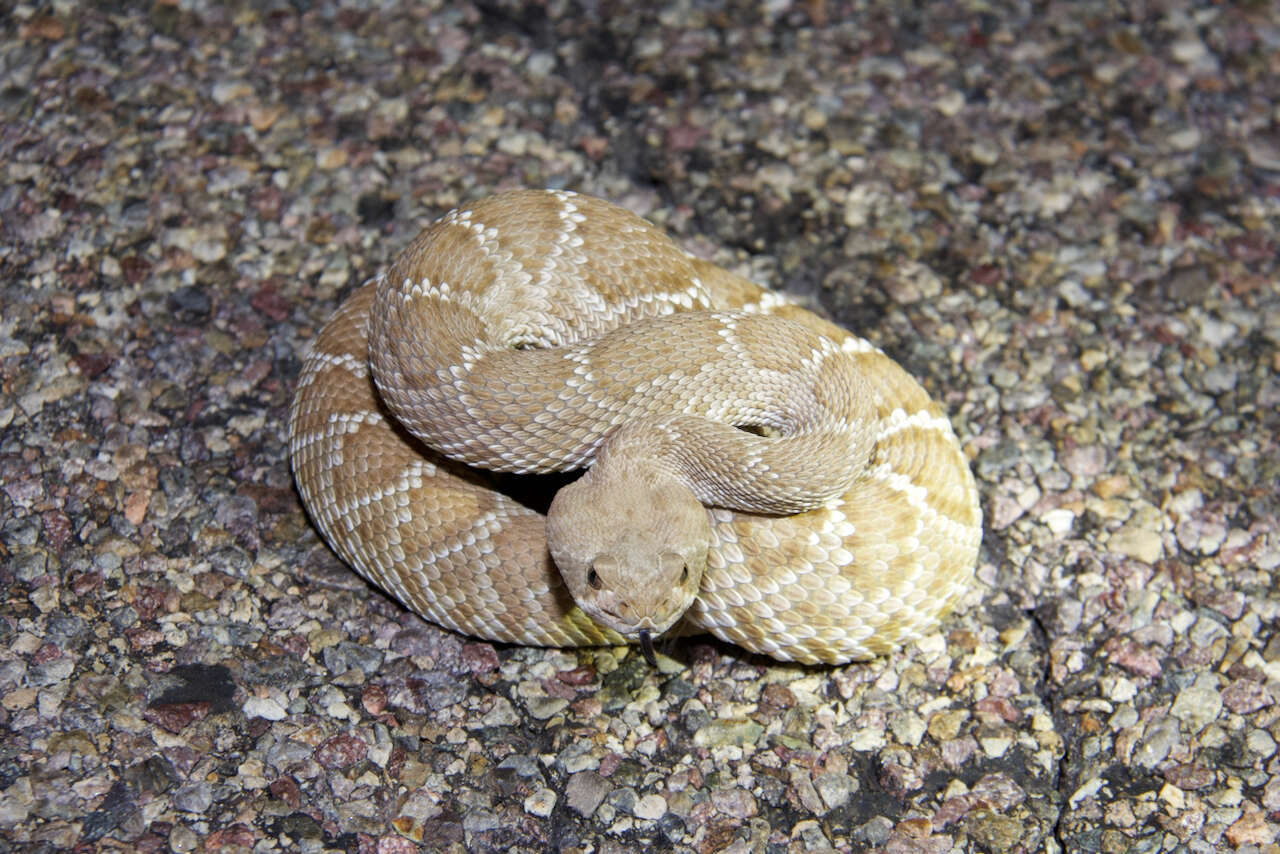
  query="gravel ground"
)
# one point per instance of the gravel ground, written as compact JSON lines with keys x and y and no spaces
{"x":1064,"y":218}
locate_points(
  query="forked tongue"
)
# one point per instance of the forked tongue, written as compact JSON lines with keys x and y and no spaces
{"x":646,"y":646}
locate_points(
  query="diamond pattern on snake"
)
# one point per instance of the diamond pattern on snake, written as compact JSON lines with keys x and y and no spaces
{"x":749,"y":469}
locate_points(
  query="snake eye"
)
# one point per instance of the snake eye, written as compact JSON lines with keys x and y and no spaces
{"x":606,"y":563}
{"x":684,"y":574}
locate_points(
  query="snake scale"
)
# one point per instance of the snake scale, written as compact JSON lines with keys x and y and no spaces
{"x":752,"y":471}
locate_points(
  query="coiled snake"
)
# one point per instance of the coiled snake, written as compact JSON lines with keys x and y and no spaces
{"x":753,"y":471}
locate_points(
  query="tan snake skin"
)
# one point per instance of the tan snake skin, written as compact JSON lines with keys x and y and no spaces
{"x":547,"y":331}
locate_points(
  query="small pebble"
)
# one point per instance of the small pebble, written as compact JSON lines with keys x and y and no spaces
{"x":541,"y":802}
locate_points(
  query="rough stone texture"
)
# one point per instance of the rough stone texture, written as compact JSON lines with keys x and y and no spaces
{"x":1064,"y":218}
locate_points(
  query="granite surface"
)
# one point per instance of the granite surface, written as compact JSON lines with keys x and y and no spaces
{"x":1064,"y":218}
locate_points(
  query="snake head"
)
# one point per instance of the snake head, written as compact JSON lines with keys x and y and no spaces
{"x":631,"y":542}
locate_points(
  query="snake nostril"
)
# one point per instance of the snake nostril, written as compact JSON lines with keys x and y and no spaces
{"x":619,"y":611}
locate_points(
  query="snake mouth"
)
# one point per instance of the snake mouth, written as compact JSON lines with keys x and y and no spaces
{"x":642,"y":634}
{"x":627,"y":624}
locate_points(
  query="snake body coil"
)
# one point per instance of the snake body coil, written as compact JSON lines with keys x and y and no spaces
{"x":753,"y":470}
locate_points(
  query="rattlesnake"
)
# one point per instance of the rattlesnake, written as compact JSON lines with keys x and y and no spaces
{"x":541,"y":331}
